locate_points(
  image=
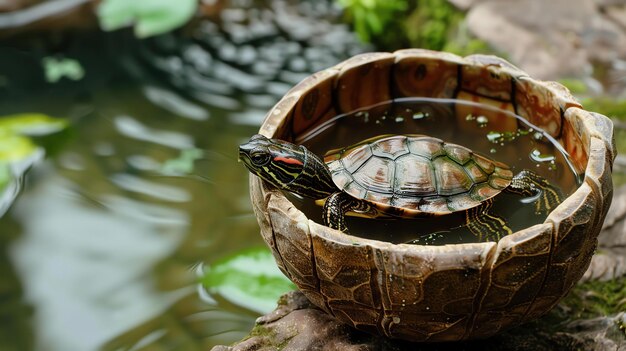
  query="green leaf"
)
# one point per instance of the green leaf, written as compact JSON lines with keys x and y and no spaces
{"x":184,"y":163}
{"x":18,"y":152}
{"x":63,"y":67}
{"x":5,"y":177}
{"x":250,"y":278}
{"x":14,"y":147}
{"x":375,"y":22}
{"x":149,"y":17}
{"x":576,"y":86}
{"x":30,"y":124}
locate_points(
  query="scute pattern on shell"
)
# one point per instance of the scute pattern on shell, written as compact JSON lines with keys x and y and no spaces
{"x":418,"y":174}
{"x":396,"y":290}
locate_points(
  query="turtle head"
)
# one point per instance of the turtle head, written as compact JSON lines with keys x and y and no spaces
{"x":287,"y":166}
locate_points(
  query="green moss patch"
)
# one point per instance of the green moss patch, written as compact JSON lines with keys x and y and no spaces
{"x":397,"y":24}
{"x":595,"y":299}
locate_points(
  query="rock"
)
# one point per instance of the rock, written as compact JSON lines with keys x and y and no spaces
{"x":298,"y":325}
{"x":618,"y":14}
{"x":465,"y":4}
{"x":12,"y":5}
{"x":610,"y":260}
{"x":552,"y":39}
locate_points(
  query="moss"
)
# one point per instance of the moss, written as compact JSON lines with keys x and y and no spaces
{"x":620,"y":140}
{"x":613,"y":108}
{"x":268,"y":337}
{"x":616,"y":110}
{"x":595,"y":299}
{"x":371,"y":19}
{"x":576,"y":86}
{"x":619,"y":179}
{"x":396,"y":24}
{"x":261,"y":331}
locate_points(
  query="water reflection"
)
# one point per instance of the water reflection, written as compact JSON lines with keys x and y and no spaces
{"x":87,"y":275}
{"x":106,"y":236}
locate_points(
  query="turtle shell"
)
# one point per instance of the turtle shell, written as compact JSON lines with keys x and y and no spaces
{"x":418,"y":174}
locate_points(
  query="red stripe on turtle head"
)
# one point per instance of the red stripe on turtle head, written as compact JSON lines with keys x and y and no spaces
{"x":288,"y":160}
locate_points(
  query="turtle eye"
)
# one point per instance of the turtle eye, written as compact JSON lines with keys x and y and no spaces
{"x":259,"y":158}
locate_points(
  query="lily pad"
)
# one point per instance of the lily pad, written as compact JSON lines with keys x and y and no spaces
{"x":18,"y":152}
{"x":63,"y":67}
{"x":183,"y":164}
{"x":14,"y":147}
{"x":31,"y":124}
{"x":249,"y":278}
{"x":149,"y":17}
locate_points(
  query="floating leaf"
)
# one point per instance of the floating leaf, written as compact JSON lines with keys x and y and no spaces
{"x":5,"y":176}
{"x":63,"y":67}
{"x":18,"y":152}
{"x":14,"y":147}
{"x":249,"y":278}
{"x":31,"y":124}
{"x":184,"y":163}
{"x":149,"y":17}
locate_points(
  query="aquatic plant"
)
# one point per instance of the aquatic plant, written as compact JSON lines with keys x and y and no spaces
{"x":372,"y":17}
{"x":18,"y":151}
{"x":148,"y":17}
{"x":430,"y":24}
{"x":248,"y":278}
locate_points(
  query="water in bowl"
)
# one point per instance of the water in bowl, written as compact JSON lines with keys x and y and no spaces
{"x":498,"y":134}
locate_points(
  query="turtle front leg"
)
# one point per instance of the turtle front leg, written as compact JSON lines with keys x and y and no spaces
{"x":484,"y":225}
{"x":528,"y":183}
{"x":336,"y":207}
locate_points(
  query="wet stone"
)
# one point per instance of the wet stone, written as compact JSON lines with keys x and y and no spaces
{"x":292,"y":77}
{"x":297,"y":64}
{"x":198,"y":58}
{"x":228,"y":52}
{"x":247,"y":55}
{"x":199,"y":82}
{"x":296,"y":324}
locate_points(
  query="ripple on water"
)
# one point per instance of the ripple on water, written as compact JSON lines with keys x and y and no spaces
{"x":132,"y":128}
{"x":175,"y":103}
{"x":150,"y":188}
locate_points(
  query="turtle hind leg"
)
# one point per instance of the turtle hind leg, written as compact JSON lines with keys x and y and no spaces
{"x":336,"y":207}
{"x":529,"y":183}
{"x":484,"y":225}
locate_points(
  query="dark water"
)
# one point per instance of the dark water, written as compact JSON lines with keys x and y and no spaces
{"x":480,"y":128}
{"x":101,"y":247}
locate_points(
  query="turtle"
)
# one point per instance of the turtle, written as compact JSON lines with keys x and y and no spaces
{"x":398,"y":176}
{"x":422,"y":292}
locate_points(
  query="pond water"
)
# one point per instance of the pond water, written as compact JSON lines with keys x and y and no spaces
{"x":108,"y":233}
{"x":142,"y":194}
{"x":491,"y":132}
